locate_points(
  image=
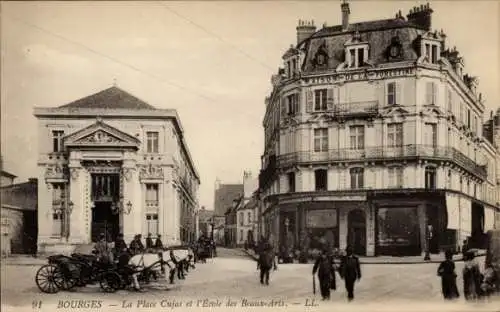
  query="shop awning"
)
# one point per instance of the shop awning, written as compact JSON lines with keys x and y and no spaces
{"x":489,"y":219}
{"x":466,"y":214}
{"x":453,"y":210}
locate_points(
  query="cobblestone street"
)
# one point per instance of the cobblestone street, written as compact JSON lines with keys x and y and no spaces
{"x":234,"y":276}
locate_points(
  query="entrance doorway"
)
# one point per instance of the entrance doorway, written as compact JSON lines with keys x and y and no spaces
{"x":356,"y":231}
{"x":104,"y":220}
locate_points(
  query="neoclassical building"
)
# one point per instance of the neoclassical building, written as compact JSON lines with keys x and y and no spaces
{"x":111,"y":163}
{"x":373,"y":138}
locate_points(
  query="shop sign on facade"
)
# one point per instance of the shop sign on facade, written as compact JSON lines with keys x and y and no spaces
{"x":326,"y":218}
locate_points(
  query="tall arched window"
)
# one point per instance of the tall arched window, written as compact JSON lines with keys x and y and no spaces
{"x":357,"y":178}
{"x":430,"y":177}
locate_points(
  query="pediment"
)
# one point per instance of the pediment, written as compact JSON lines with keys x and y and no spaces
{"x":394,"y":112}
{"x":100,"y":134}
{"x":431,"y":111}
{"x":321,"y":118}
{"x":290,"y":122}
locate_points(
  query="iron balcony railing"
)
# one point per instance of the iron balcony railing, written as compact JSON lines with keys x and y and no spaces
{"x":382,"y":153}
{"x":355,"y":108}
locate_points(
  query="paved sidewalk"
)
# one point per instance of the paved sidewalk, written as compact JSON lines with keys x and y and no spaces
{"x":395,"y":260}
{"x":24,"y":260}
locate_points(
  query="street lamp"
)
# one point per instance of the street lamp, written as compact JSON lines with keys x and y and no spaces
{"x":427,"y":256}
{"x":121,"y":208}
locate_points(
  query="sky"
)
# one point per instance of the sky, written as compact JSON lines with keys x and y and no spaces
{"x":212,"y":61}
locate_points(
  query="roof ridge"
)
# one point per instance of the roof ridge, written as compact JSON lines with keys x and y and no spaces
{"x":110,"y":98}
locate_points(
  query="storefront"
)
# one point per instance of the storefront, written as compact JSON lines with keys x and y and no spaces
{"x":398,"y":231}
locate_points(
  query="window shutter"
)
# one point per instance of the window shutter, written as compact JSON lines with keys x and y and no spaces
{"x":329,"y":98}
{"x":399,"y":93}
{"x":283,"y":107}
{"x":385,"y":86}
{"x":309,"y":101}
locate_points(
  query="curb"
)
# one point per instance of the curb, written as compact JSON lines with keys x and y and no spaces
{"x":386,"y":263}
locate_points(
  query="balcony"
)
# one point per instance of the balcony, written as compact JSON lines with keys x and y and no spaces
{"x":265,"y":176}
{"x":355,"y":109}
{"x":384,"y":153}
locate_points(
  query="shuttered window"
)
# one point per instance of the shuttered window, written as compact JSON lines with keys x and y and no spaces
{"x":321,"y":140}
{"x":391,"y":93}
{"x":320,"y":99}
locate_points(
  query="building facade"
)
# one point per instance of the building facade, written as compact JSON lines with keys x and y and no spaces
{"x":246,"y":212}
{"x":223,"y":199}
{"x":18,"y":218}
{"x":373,"y":138}
{"x":111,"y":163}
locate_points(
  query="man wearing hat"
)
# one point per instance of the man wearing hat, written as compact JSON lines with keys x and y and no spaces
{"x":350,"y":271}
{"x":325,"y":267}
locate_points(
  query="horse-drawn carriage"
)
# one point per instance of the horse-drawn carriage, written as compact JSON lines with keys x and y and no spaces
{"x":79,"y":270}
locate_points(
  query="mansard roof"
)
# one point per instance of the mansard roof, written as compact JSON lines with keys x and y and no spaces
{"x":111,"y":98}
{"x":379,"y":34}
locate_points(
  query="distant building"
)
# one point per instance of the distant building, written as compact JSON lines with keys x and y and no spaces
{"x":231,"y":227}
{"x":205,"y":218}
{"x":6,"y":177}
{"x":246,"y":218}
{"x":223,"y":199}
{"x":19,"y":218}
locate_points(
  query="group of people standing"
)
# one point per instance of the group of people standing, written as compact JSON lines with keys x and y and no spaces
{"x":476,"y":284}
{"x":108,"y":252}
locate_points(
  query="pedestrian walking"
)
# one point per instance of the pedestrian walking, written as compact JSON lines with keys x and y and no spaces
{"x":325,"y":268}
{"x":446,"y":271}
{"x":350,"y":271}
{"x":266,"y":260}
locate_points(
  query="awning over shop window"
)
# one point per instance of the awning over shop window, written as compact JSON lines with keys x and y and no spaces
{"x":489,"y":219}
{"x":453,"y":210}
{"x":466,"y":215}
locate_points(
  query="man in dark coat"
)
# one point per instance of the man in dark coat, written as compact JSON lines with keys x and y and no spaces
{"x":149,"y":241}
{"x":326,"y":269}
{"x":350,"y":271}
{"x":158,"y":243}
{"x":265,"y":261}
{"x":120,"y":244}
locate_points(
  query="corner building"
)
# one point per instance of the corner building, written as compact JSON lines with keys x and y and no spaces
{"x":373,"y":138}
{"x":111,"y":163}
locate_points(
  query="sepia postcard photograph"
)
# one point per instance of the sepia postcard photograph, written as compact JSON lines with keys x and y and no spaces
{"x":335,"y":155}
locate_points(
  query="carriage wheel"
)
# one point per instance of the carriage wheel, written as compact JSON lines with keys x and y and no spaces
{"x":110,"y":282}
{"x":46,"y":278}
{"x":64,"y":282}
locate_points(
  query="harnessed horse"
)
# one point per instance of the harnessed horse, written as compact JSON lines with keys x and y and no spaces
{"x":154,"y":262}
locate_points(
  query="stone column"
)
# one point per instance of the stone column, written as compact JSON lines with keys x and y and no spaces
{"x":44,"y":208}
{"x":161,"y":209}
{"x":76,"y":197}
{"x":422,"y":221}
{"x":370,"y":229}
{"x":131,"y":193}
{"x":343,"y":228}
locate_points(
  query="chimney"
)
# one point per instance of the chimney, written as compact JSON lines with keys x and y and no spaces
{"x":344,"y":7}
{"x":421,"y":16}
{"x":305,"y":29}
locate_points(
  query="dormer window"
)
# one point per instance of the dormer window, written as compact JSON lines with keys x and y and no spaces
{"x":431,"y":47}
{"x":356,"y":52}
